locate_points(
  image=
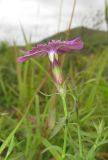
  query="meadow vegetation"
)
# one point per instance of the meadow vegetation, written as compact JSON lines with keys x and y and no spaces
{"x":31,"y":111}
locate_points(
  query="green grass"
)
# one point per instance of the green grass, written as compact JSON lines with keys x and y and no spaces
{"x":32,"y":121}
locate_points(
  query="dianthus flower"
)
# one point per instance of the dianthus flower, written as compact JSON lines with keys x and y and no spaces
{"x":53,"y":49}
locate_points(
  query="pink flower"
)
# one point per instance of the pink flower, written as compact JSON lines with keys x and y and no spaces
{"x":52,"y":49}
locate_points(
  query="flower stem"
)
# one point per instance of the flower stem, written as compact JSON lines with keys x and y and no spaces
{"x":80,"y":142}
{"x":65,"y":129}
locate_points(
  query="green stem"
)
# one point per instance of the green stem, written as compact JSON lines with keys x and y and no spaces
{"x":80,"y":142}
{"x":64,"y":105}
{"x":65,"y":129}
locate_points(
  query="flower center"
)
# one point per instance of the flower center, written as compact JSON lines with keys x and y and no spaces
{"x":52,"y":56}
